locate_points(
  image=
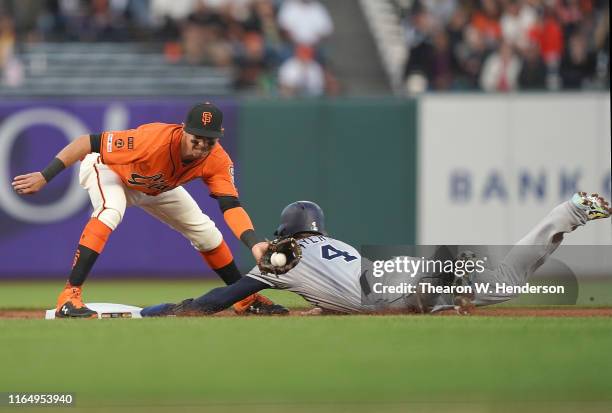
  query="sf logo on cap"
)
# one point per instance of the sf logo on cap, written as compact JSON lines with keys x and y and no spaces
{"x":206,"y":118}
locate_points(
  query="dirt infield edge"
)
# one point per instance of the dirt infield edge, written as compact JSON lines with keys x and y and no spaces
{"x":484,"y":312}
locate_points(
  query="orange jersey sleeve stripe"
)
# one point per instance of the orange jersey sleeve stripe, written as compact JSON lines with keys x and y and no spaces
{"x":95,"y":235}
{"x":219,"y":257}
{"x":238,"y":220}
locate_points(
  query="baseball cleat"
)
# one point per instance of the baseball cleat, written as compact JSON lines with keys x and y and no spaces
{"x":259,"y":305}
{"x":594,"y":205}
{"x":463,"y":305}
{"x":70,"y":304}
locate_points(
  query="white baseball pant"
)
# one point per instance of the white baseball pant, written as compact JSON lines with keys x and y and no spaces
{"x":110,"y":197}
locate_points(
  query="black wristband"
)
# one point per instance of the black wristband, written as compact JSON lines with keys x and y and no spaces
{"x":250,"y":238}
{"x":95,"y":142}
{"x":228,"y":202}
{"x":55,"y":166}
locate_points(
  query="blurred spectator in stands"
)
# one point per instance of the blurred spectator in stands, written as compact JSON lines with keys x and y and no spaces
{"x":234,"y":10}
{"x":418,"y":27}
{"x":254,"y":64}
{"x":25,"y":14}
{"x":456,"y":30}
{"x":233,"y":30}
{"x":470,"y":55}
{"x":171,"y":9}
{"x":442,"y":62}
{"x":433,"y":61}
{"x":267,"y":16}
{"x":11,"y":68}
{"x":440,"y":10}
{"x":96,"y":20}
{"x":63,"y":21}
{"x":301,"y":75}
{"x":485,"y":19}
{"x":533,"y":71}
{"x":166,"y":16}
{"x":305,"y":22}
{"x":570,"y":15}
{"x":7,"y":39}
{"x":516,"y":22}
{"x":204,"y":38}
{"x":578,"y":64}
{"x":193,"y":37}
{"x":501,"y":70}
{"x":263,"y":20}
{"x":260,"y":18}
{"x":139,"y":12}
{"x":456,"y":27}
{"x":108,"y":20}
{"x":602,"y":45}
{"x":209,"y":17}
{"x":547,"y":32}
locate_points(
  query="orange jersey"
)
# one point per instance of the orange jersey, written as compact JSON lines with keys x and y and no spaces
{"x":148,"y":159}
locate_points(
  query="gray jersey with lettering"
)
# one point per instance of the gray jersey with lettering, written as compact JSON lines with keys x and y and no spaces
{"x":327,"y":275}
{"x":330,"y":274}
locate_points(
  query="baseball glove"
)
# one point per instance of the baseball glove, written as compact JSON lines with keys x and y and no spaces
{"x":284,"y":245}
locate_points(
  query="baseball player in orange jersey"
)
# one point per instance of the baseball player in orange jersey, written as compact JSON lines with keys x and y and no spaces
{"x":146,"y":167}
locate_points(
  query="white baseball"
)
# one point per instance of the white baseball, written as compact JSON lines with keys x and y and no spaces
{"x":278,"y":259}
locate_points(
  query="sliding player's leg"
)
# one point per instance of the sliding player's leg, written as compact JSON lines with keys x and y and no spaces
{"x":535,"y":247}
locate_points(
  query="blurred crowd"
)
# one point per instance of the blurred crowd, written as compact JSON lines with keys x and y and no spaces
{"x":505,"y":45}
{"x":279,"y":46}
{"x":273,"y":46}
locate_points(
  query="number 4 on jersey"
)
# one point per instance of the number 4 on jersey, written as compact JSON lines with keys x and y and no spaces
{"x":329,"y":253}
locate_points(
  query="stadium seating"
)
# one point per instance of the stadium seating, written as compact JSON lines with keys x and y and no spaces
{"x":111,"y":69}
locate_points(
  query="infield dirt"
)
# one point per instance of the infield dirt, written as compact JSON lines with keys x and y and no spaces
{"x":482,"y":312}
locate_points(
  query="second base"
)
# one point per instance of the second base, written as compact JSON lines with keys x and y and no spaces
{"x":107,"y":310}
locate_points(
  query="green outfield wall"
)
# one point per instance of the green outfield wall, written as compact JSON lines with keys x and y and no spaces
{"x":354,"y":157}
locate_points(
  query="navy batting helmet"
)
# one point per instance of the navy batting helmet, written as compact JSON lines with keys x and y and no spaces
{"x":301,"y":216}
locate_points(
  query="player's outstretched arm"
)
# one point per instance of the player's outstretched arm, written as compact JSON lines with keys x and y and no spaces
{"x":220,"y":298}
{"x":33,"y":182}
{"x":217,"y":299}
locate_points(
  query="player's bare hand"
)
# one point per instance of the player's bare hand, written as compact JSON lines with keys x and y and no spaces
{"x":29,"y":183}
{"x":259,"y":250}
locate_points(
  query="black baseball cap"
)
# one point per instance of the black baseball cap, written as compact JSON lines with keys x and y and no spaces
{"x":205,"y":119}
